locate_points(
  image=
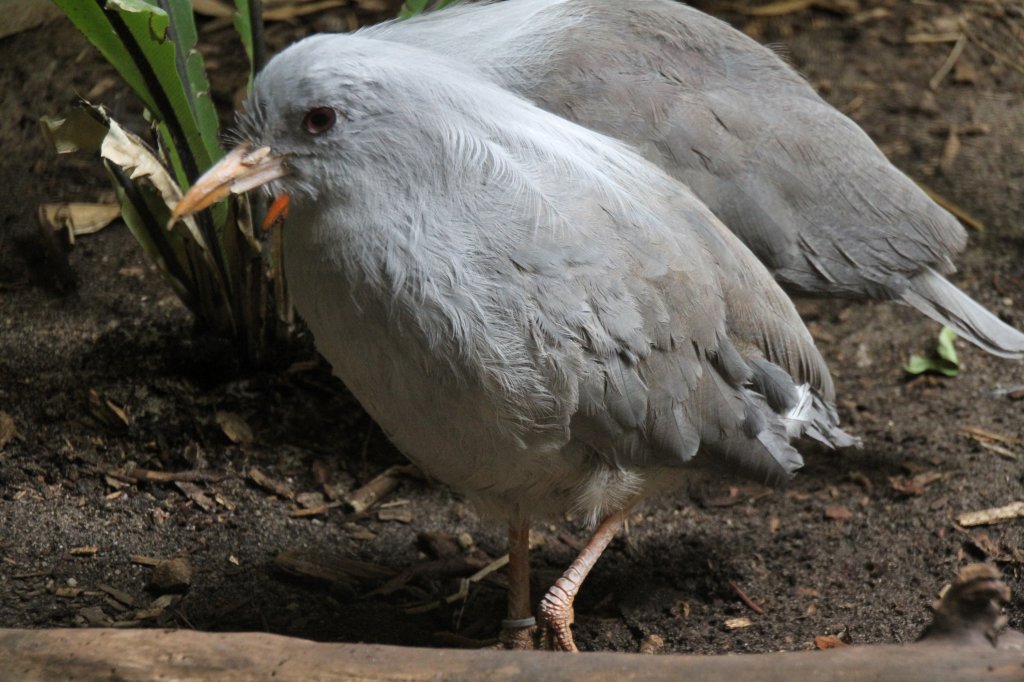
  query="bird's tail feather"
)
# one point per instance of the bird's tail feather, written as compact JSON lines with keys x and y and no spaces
{"x":941,"y":300}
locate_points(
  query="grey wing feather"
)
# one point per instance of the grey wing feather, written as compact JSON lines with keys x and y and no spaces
{"x":800,"y":183}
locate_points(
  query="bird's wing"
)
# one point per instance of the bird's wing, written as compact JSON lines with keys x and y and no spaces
{"x":794,"y":178}
{"x":677,"y":338}
{"x":800,"y":183}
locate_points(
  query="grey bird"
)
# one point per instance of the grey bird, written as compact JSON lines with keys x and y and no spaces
{"x":533,"y":313}
{"x":800,"y":183}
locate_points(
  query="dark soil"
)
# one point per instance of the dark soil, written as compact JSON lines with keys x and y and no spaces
{"x":857,"y":546}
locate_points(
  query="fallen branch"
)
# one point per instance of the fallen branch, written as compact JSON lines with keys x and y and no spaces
{"x":127,"y":655}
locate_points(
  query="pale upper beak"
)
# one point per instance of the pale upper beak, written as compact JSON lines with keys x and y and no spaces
{"x":244,"y":168}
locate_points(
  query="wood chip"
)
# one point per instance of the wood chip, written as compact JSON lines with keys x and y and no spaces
{"x":277,"y":487}
{"x":652,"y":644}
{"x":400,"y":515}
{"x":197,"y":495}
{"x":999,"y":450}
{"x":985,"y":517}
{"x":68,"y":592}
{"x":978,"y":433}
{"x":737,"y":623}
{"x":315,"y":511}
{"x":224,"y":502}
{"x":119,"y":595}
{"x":310,"y":500}
{"x":86,"y":550}
{"x":838,"y":513}
{"x":94,"y":615}
{"x":138,"y":474}
{"x":379,"y":486}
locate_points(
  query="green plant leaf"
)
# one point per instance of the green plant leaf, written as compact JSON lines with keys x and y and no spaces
{"x":89,"y":18}
{"x":249,"y":24}
{"x":945,"y":348}
{"x":413,"y":7}
{"x":153,"y":46}
{"x":944,"y":361}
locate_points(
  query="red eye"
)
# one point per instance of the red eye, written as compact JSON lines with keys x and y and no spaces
{"x":319,"y":120}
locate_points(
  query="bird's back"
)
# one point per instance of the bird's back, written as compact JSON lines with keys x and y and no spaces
{"x":795,"y":179}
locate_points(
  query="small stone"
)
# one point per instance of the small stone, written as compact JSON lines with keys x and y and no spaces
{"x":465,"y":541}
{"x":173,"y":575}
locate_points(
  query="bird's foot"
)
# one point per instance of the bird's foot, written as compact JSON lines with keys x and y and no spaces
{"x":556,"y":616}
{"x":519,"y":635}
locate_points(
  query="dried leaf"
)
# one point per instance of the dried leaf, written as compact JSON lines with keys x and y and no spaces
{"x":829,"y":642}
{"x":838,"y":513}
{"x":914,"y":486}
{"x":234,"y":427}
{"x":78,"y":218}
{"x":105,"y":411}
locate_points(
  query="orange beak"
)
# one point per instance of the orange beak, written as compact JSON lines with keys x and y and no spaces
{"x":277,"y":212}
{"x":243,"y":169}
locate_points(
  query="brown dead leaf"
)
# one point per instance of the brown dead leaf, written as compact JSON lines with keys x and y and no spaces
{"x":234,"y":427}
{"x":106,"y":412}
{"x":7,"y":429}
{"x":829,"y":642}
{"x":76,"y":219}
{"x":914,"y":486}
{"x":838,"y":513}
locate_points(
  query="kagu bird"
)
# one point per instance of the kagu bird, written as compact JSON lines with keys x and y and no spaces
{"x":800,"y":183}
{"x":533,"y":313}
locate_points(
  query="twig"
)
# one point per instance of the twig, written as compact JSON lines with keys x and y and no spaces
{"x":961,"y":214}
{"x":951,"y":60}
{"x":745,"y":598}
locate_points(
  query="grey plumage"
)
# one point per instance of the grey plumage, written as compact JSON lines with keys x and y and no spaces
{"x":533,"y":313}
{"x":800,"y":183}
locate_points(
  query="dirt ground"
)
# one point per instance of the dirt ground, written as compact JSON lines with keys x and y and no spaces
{"x":111,"y":375}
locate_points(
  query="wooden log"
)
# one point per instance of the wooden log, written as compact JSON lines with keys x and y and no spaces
{"x":128,"y":655}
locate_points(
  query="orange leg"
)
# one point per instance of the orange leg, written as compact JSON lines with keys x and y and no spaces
{"x":555,"y":611}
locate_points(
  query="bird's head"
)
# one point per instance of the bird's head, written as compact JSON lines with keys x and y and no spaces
{"x":328,"y":109}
